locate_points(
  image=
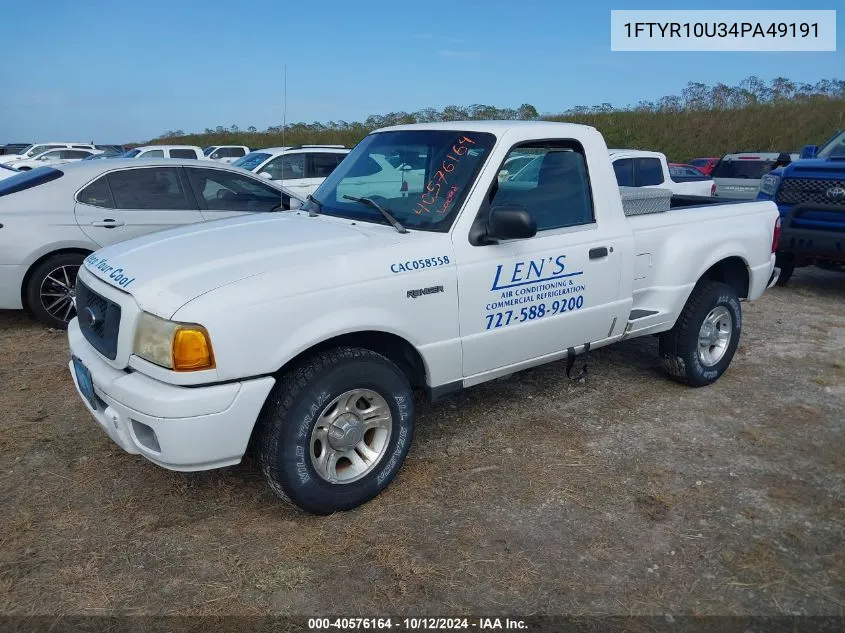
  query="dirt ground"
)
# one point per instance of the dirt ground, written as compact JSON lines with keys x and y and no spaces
{"x":625,"y":494}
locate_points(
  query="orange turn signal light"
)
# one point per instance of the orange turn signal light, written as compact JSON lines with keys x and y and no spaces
{"x":192,"y":349}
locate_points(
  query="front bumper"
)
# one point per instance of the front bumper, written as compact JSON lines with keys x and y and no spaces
{"x":178,"y":428}
{"x":826,"y":243}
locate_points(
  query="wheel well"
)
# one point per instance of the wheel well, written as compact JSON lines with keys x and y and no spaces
{"x":394,"y":347}
{"x":38,"y":262}
{"x":731,"y":271}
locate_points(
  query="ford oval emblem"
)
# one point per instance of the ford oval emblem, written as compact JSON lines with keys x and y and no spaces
{"x":836,"y":194}
{"x":89,"y":317}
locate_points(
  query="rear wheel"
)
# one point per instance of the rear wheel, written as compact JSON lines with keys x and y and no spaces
{"x":335,"y":431}
{"x":698,"y":350}
{"x":51,"y":290}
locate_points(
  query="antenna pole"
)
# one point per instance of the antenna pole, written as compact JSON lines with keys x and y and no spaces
{"x":284,"y":125}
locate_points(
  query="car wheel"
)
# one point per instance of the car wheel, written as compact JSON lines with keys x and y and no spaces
{"x":786,"y":263}
{"x":335,"y":431}
{"x":699,"y":348}
{"x":51,"y":290}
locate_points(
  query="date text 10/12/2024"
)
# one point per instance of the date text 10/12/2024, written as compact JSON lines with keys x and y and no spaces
{"x":549,"y":294}
{"x":416,"y":624}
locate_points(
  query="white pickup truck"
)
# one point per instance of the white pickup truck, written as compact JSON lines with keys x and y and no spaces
{"x":304,"y":333}
{"x":638,"y":168}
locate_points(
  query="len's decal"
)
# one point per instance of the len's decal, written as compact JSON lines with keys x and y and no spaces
{"x":533,"y":289}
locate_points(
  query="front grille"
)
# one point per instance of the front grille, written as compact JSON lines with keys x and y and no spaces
{"x":99,"y":320}
{"x":807,"y":191}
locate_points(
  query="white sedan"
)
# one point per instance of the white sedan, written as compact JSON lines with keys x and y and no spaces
{"x":55,"y":157}
{"x":52,"y":218}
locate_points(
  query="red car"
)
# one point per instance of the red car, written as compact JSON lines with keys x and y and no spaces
{"x":705,"y":165}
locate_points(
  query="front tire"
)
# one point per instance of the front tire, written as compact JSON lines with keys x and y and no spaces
{"x":699,"y":348}
{"x":335,"y":430}
{"x":51,"y":289}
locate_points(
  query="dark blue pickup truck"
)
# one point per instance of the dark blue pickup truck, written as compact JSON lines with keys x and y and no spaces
{"x":810,"y":194}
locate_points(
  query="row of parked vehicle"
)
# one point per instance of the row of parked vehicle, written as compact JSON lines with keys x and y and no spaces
{"x":64,"y":222}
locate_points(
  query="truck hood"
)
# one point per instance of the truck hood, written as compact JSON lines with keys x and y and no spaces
{"x":163,"y":271}
{"x":814,"y":164}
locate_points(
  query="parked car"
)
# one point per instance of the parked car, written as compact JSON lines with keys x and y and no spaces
{"x":225,"y":153}
{"x":738,"y":175}
{"x":39,"y":148}
{"x":165,"y":151}
{"x":810,"y":194}
{"x":52,"y":218}
{"x":682,"y":170}
{"x":304,"y":334}
{"x":706,"y":165}
{"x":13,"y":148}
{"x":301,"y":168}
{"x":637,"y":168}
{"x":55,"y":157}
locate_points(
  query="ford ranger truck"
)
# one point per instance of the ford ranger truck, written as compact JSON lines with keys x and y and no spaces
{"x":810,"y":194}
{"x":304,"y":334}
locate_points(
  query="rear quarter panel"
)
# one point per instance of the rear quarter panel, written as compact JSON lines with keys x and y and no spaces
{"x":674,"y":249}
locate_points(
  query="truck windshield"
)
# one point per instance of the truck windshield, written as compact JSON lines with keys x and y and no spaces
{"x":741,"y":168}
{"x":834,"y":148}
{"x":421,"y":177}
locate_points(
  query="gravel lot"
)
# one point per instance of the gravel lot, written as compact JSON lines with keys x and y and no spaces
{"x":625,"y":494}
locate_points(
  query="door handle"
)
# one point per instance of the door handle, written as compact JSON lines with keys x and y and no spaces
{"x":108,"y":223}
{"x":597,"y":253}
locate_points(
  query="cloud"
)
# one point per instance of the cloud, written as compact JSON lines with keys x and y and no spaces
{"x":461,"y":54}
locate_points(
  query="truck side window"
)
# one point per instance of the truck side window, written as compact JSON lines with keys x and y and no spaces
{"x":624,"y":169}
{"x":554,"y":188}
{"x":649,"y":172}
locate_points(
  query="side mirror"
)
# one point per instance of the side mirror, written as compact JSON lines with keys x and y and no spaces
{"x":809,"y":151}
{"x":510,"y":222}
{"x":266,"y":174}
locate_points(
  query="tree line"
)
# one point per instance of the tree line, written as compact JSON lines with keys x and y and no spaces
{"x":779,"y":115}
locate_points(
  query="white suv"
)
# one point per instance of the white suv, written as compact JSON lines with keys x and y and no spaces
{"x":165,"y":151}
{"x":39,"y":148}
{"x":54,"y":157}
{"x":301,"y":168}
{"x":225,"y":153}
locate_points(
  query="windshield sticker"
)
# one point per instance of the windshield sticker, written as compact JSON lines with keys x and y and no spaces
{"x":533,"y":289}
{"x":419,"y":264}
{"x":116,"y":275}
{"x":440,"y":179}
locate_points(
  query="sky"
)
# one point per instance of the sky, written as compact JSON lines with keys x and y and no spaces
{"x":120,"y":72}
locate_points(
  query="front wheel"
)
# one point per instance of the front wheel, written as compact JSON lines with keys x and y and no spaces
{"x":335,"y":431}
{"x":699,"y":348}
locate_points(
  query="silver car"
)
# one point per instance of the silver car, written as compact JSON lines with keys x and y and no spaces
{"x":738,"y":176}
{"x":51,"y":218}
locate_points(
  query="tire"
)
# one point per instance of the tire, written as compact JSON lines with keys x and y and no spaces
{"x":684,"y":358}
{"x":787,"y":267}
{"x":42,"y":292}
{"x":291,"y":440}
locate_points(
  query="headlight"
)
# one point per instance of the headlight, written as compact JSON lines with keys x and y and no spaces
{"x":769,"y":184}
{"x":177,"y":346}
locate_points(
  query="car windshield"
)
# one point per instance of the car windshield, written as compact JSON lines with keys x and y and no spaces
{"x":834,"y":148}
{"x":35,"y":150}
{"x":251,"y":160}
{"x":208,"y":150}
{"x":419,"y":176}
{"x":132,"y":153}
{"x":743,"y":168}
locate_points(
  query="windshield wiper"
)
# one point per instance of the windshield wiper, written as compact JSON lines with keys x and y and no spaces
{"x":382,"y":210}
